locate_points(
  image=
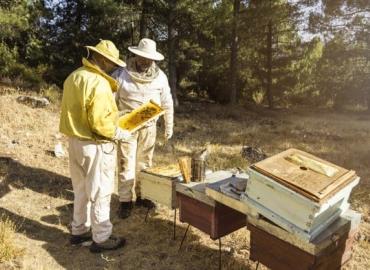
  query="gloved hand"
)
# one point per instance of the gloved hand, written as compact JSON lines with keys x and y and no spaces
{"x":121,"y":134}
{"x":168,"y":133}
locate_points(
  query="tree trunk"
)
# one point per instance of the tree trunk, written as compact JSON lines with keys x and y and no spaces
{"x":171,"y":44}
{"x":144,"y":32}
{"x":234,"y":53}
{"x":269,"y":66}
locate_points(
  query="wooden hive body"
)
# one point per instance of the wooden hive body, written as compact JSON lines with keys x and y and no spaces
{"x":303,"y":202}
{"x":159,"y":185}
{"x":278,"y":250}
{"x":216,"y":221}
{"x":202,"y":212}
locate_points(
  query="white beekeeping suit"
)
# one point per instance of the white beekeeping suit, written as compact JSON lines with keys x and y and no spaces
{"x":137,"y":87}
{"x":89,"y":116}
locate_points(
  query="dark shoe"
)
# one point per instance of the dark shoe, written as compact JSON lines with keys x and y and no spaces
{"x":125,"y":210}
{"x":112,"y":243}
{"x":145,"y":203}
{"x":79,"y":239}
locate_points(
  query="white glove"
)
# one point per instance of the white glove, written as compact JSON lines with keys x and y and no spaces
{"x":121,"y":134}
{"x":168,"y":133}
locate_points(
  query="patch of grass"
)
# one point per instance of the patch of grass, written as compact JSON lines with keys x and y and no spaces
{"x":8,"y":251}
{"x":52,"y":92}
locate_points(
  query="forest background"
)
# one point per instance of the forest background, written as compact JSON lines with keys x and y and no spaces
{"x":274,"y":53}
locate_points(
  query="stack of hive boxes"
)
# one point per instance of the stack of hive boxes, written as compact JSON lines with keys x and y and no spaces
{"x":302,"y":194}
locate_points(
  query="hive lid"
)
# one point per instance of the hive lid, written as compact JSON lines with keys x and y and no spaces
{"x":306,"y":174}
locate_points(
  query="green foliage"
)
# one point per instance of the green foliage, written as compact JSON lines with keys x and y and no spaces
{"x":43,"y":40}
{"x":20,"y":49}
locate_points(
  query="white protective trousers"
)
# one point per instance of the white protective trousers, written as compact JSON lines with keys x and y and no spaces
{"x":135,"y":154}
{"x":92,"y":168}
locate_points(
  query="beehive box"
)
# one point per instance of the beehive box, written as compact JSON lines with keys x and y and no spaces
{"x":202,"y":212}
{"x":216,"y":221}
{"x":278,"y":249}
{"x":159,"y":184}
{"x":299,"y":192}
{"x":140,"y":116}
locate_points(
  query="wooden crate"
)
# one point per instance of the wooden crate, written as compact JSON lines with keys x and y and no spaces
{"x":159,"y":185}
{"x":216,"y":221}
{"x":278,"y":249}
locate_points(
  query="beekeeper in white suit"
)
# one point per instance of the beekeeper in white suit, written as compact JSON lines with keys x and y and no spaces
{"x":141,"y":81}
{"x":89,"y":118}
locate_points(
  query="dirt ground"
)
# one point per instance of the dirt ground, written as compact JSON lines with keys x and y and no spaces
{"x":36,"y":192}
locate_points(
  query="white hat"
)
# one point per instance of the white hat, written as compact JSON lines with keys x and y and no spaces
{"x":147,"y":48}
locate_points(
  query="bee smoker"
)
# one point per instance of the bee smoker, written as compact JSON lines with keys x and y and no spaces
{"x":198,"y":166}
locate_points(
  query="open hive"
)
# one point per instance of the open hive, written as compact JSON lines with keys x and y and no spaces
{"x":159,"y":184}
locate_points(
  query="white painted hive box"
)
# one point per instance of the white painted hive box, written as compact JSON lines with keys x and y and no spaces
{"x":159,"y":184}
{"x":299,"y":192}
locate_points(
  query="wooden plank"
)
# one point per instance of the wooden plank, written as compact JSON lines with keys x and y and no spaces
{"x":308,"y":182}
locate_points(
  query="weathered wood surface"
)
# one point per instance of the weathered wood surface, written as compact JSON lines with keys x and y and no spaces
{"x":347,"y":224}
{"x":216,"y":221}
{"x":292,"y":210}
{"x":197,"y":190}
{"x":305,"y":180}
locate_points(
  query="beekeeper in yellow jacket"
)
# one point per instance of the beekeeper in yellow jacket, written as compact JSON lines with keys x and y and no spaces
{"x":141,"y":81}
{"x":89,"y":118}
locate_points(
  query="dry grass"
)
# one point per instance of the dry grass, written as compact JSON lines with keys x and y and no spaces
{"x":35,"y":190}
{"x":8,"y":251}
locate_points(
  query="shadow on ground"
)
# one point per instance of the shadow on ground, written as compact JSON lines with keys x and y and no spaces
{"x":13,"y":174}
{"x":150,"y":245}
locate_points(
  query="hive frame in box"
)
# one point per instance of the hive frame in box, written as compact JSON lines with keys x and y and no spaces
{"x":133,"y":113}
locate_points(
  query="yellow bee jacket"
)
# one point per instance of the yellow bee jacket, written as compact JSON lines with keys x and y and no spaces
{"x":88,"y":107}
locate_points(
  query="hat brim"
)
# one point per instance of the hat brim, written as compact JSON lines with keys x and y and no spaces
{"x":118,"y":62}
{"x":156,"y":56}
